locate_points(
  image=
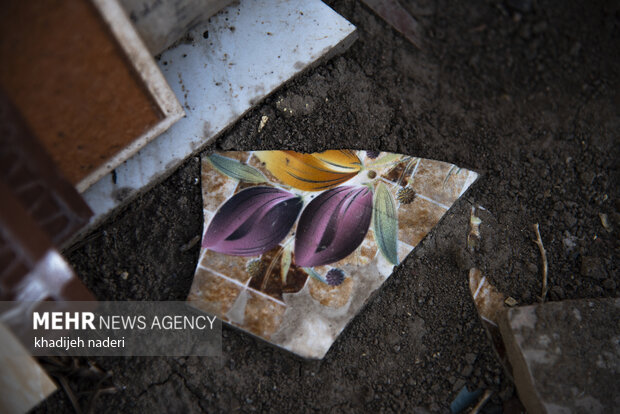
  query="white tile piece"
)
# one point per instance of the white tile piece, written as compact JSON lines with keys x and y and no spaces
{"x":252,"y":48}
{"x":162,"y":23}
{"x":24,"y":383}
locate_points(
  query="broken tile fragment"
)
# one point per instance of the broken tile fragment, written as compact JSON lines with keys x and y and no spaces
{"x":490,"y":306}
{"x":489,"y":301}
{"x":473,"y":237}
{"x":565,"y":355}
{"x":440,"y":181}
{"x":417,"y":219}
{"x":269,"y":278}
{"x":339,"y":226}
{"x":162,"y":23}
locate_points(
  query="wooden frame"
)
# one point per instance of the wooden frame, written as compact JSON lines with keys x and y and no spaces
{"x":146,"y":68}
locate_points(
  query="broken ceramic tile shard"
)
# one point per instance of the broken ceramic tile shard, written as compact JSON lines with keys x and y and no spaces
{"x":489,"y":301}
{"x":295,"y":244}
{"x":565,"y":355}
{"x":23,"y":382}
{"x":163,"y":23}
{"x":490,"y":306}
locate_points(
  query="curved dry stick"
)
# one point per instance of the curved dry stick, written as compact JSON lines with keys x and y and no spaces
{"x":67,"y":388}
{"x":543,"y":254}
{"x":482,"y":402}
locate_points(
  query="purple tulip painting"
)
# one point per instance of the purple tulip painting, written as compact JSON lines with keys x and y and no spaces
{"x":333,"y":225}
{"x":252,"y":221}
{"x":295,"y":243}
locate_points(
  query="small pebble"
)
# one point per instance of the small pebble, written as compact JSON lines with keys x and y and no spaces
{"x":460,"y":383}
{"x":470,"y":358}
{"x":592,"y":267}
{"x":604,"y":220}
{"x":510,"y":301}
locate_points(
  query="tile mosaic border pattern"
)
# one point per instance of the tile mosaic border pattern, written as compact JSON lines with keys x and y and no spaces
{"x":298,"y":312}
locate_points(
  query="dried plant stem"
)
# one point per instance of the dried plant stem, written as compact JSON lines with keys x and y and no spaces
{"x":90,"y":408}
{"x":485,"y":397}
{"x":543,"y":254}
{"x":67,"y":388}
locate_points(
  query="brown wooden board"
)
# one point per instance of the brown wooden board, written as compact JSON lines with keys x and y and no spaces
{"x":70,"y":79}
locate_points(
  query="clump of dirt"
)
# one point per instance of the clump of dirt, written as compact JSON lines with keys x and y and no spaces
{"x":524,"y":92}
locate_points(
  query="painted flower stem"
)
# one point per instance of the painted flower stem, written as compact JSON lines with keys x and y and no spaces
{"x":273,"y":262}
{"x":313,"y":274}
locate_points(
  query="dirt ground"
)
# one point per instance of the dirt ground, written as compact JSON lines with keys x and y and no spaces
{"x":529,"y":99}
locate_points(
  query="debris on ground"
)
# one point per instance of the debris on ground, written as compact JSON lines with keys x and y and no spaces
{"x":464,"y":399}
{"x":545,"y":264}
{"x":473,"y":238}
{"x":490,"y":305}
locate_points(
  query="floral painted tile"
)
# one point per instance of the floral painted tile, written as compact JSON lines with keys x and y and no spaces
{"x":295,"y":244}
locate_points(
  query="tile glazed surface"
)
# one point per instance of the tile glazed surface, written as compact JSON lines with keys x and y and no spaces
{"x":294,"y":244}
{"x":221,"y":75}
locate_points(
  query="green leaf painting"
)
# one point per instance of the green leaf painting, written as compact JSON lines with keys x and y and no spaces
{"x":386,"y":223}
{"x":237,"y":170}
